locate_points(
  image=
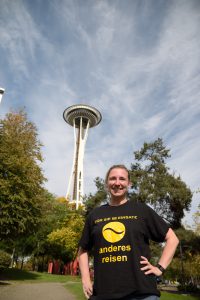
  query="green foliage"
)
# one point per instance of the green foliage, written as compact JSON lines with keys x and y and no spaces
{"x":153,"y":183}
{"x":189,"y":242}
{"x":57,"y":219}
{"x":53,"y":214}
{"x":191,"y":271}
{"x":35,"y":243}
{"x":5,"y":259}
{"x":186,"y":264}
{"x":64,"y":240}
{"x":98,"y":198}
{"x":188,"y":288}
{"x":156,"y":250}
{"x":196,"y":218}
{"x":21,"y":177}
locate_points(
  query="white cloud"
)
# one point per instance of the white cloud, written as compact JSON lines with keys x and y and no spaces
{"x":152,"y":123}
{"x":137,"y":64}
{"x":19,"y":36}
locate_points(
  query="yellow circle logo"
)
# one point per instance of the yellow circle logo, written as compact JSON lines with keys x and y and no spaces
{"x":113,"y":232}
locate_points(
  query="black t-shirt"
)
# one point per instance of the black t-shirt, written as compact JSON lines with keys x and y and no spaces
{"x":119,"y":235}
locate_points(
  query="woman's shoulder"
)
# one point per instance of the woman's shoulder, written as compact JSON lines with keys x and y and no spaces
{"x":98,"y":209}
{"x":138,"y":205}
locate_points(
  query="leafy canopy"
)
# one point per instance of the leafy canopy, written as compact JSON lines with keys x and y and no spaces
{"x":64,"y":240}
{"x":153,"y":184}
{"x":21,"y":178}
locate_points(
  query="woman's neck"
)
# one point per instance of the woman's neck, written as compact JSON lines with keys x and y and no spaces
{"x":117,"y":201}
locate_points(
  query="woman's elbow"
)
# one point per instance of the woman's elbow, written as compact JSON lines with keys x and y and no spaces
{"x":171,"y":236}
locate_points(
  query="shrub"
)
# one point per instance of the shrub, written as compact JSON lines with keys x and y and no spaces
{"x":188,"y":288}
{"x":5,"y":259}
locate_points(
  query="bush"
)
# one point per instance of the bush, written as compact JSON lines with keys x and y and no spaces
{"x":188,"y":288}
{"x":5,"y":259}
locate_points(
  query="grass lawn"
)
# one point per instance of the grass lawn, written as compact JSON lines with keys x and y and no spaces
{"x":73,"y":283}
{"x":77,"y":290}
{"x":170,"y":296}
{"x":21,"y":276}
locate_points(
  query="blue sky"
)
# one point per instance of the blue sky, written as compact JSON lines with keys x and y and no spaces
{"x":136,"y":61}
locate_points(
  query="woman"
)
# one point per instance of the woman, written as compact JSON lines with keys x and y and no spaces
{"x":119,"y":234}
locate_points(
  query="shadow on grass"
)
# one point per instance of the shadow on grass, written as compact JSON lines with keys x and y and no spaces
{"x":16,"y":274}
{"x":4,"y":283}
{"x":22,"y":275}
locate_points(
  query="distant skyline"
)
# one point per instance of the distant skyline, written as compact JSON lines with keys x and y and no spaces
{"x":136,"y":61}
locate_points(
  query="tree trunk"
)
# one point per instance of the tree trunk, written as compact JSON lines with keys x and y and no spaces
{"x":22,"y":263}
{"x":12,"y":260}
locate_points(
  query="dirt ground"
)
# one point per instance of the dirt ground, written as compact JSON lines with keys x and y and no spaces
{"x":34,"y":291}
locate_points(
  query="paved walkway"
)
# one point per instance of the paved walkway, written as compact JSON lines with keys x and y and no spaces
{"x":35,"y":291}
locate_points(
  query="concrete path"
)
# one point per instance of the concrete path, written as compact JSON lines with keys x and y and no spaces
{"x":34,"y":291}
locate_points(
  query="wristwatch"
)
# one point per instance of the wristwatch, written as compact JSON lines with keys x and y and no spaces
{"x":160,"y":268}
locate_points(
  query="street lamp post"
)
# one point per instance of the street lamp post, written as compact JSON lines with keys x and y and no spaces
{"x":1,"y":93}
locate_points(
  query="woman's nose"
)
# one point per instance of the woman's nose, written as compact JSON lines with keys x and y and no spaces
{"x":117,"y":181}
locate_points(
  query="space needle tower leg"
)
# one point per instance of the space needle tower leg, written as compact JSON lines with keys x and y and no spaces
{"x":81,"y":139}
{"x":81,"y":117}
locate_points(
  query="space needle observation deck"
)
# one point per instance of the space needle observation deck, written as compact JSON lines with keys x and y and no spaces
{"x":81,"y":117}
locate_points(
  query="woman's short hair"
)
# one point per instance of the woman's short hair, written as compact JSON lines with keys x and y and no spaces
{"x":117,"y":167}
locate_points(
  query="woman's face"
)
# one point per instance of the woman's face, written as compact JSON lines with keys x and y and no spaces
{"x":118,"y":182}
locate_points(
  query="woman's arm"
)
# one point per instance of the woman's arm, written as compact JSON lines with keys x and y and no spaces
{"x":83,"y":259}
{"x":166,"y":257}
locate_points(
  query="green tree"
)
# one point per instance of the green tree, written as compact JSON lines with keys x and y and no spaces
{"x":53,"y":214}
{"x":99,"y":197}
{"x":5,"y":259}
{"x":185,"y":267}
{"x":21,"y":178}
{"x":64,"y":240}
{"x":189,"y":241}
{"x":154,"y":185}
{"x":196,"y":218}
{"x":35,"y":243}
{"x":56,"y":222}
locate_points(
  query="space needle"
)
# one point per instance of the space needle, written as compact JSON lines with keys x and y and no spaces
{"x":81,"y":117}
